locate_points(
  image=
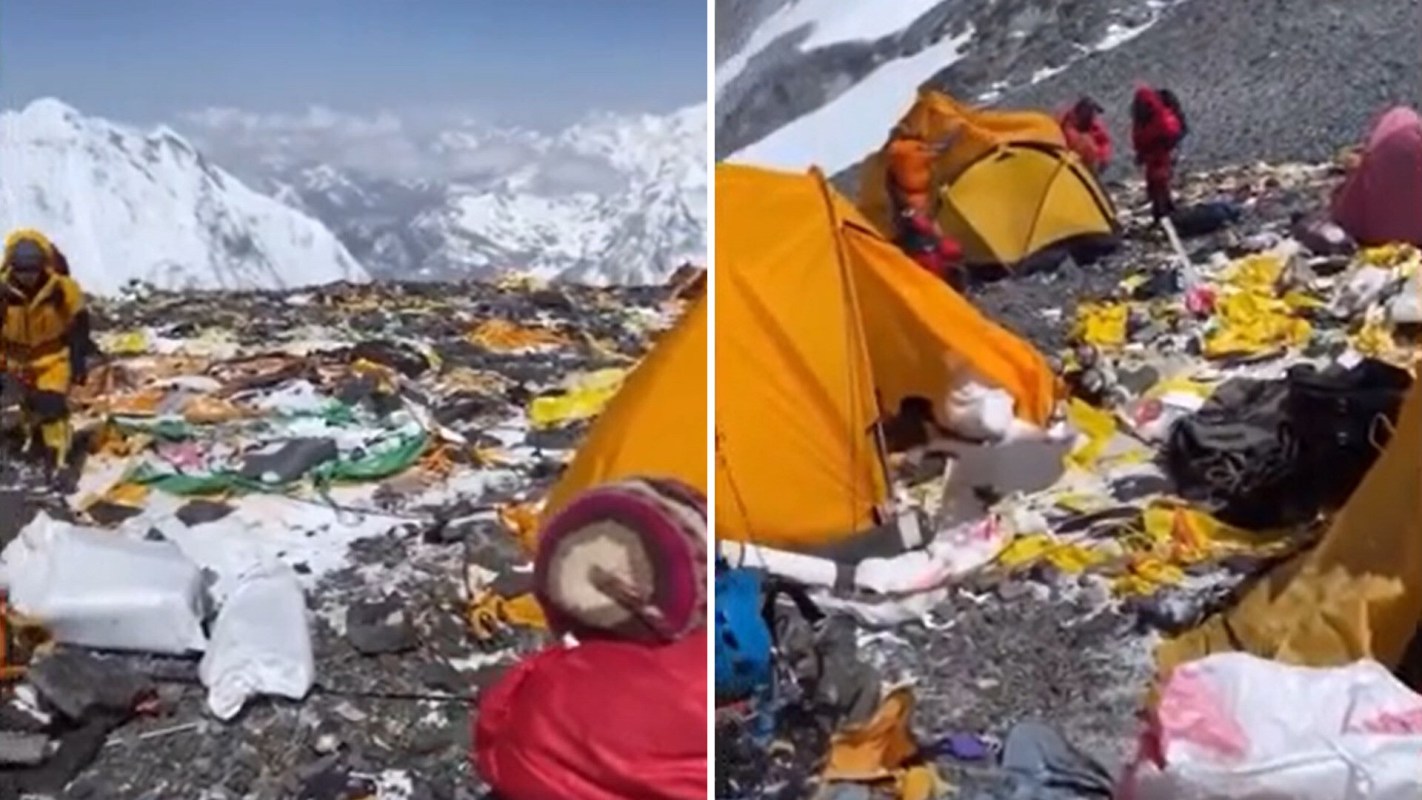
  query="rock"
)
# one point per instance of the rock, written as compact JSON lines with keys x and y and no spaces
{"x":326,"y":744}
{"x":79,"y":684}
{"x":201,"y":512}
{"x":379,"y":628}
{"x":25,"y":749}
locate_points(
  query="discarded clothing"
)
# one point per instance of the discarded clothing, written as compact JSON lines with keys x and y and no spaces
{"x":1048,"y":767}
{"x":605,"y":720}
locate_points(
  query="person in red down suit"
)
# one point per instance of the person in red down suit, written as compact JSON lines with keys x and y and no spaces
{"x":1157,"y":126}
{"x":934,"y":251}
{"x":1086,"y":134}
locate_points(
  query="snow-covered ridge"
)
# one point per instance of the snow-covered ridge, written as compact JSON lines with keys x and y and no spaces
{"x":126,"y":205}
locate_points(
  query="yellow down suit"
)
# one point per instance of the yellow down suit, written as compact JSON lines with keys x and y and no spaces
{"x":37,"y":333}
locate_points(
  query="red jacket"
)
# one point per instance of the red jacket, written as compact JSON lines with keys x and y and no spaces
{"x":1155,"y":138}
{"x":1092,"y":143}
{"x":606,"y":720}
{"x":928,"y":246}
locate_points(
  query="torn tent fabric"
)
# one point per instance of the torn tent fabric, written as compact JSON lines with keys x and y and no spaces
{"x":604,"y":720}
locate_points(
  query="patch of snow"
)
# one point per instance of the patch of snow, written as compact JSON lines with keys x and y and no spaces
{"x":394,"y":784}
{"x":859,"y":119}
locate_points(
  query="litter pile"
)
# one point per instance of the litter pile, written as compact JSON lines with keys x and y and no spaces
{"x":1202,"y":367}
{"x":268,"y":575}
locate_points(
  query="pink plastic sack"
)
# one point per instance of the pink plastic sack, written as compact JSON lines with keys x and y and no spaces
{"x":1235,"y":727}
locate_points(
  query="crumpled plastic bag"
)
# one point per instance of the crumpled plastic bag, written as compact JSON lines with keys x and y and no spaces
{"x":1362,"y":288}
{"x":261,"y":643}
{"x":1234,"y":726}
{"x":977,"y":410}
{"x":98,"y":589}
{"x":1406,"y":307}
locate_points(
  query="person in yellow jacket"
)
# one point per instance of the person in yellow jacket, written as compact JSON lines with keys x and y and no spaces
{"x":44,"y":323}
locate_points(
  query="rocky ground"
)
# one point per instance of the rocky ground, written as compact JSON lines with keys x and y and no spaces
{"x":1043,"y":645}
{"x":389,"y":716}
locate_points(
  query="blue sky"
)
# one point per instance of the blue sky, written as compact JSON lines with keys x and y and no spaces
{"x":541,"y":63}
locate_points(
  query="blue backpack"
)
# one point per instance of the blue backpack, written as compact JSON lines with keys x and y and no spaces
{"x":744,"y":660}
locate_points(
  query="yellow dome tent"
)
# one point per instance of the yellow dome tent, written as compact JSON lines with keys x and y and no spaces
{"x":820,"y":323}
{"x":656,"y":423}
{"x":1010,"y":186}
{"x":1356,"y":594}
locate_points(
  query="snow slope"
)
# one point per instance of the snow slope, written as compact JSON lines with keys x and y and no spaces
{"x":860,"y":118}
{"x":615,"y":199}
{"x":126,"y":206}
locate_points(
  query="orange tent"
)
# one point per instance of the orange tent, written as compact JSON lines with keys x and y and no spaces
{"x":1008,"y":187}
{"x":655,"y":426}
{"x":820,"y":323}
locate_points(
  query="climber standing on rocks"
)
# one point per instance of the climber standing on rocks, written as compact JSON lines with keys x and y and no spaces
{"x":1157,"y":127}
{"x":911,"y":191}
{"x":44,"y":340}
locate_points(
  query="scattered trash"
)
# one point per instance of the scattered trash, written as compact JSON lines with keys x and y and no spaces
{"x":260,"y":643}
{"x":1231,"y":726}
{"x":95,"y":590}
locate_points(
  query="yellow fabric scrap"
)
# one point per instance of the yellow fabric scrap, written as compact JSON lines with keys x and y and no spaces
{"x":585,"y":397}
{"x":521,"y":520}
{"x":1180,"y":385}
{"x":385,"y":378}
{"x":128,"y":343}
{"x":1101,"y":324}
{"x":1096,"y":425}
{"x":1146,"y":575}
{"x":1252,"y":323}
{"x":1082,"y":503}
{"x":1257,"y":273}
{"x":503,"y":336}
{"x":1388,"y":255}
{"x":490,"y":613}
{"x":1067,"y":557}
{"x":874,"y":750}
{"x":111,"y":441}
{"x":131,"y":495}
{"x":1375,"y":340}
{"x":1302,"y":301}
{"x":473,"y":380}
{"x":205,"y":410}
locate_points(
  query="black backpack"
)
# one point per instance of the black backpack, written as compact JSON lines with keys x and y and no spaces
{"x":1173,"y":103}
{"x":1270,"y":454}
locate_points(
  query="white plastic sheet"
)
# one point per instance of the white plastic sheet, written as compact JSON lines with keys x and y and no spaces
{"x":1236,"y":727}
{"x":261,"y":643}
{"x":98,"y":589}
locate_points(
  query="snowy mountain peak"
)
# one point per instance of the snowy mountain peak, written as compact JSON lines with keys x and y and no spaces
{"x":126,"y":205}
{"x":614,"y":199}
